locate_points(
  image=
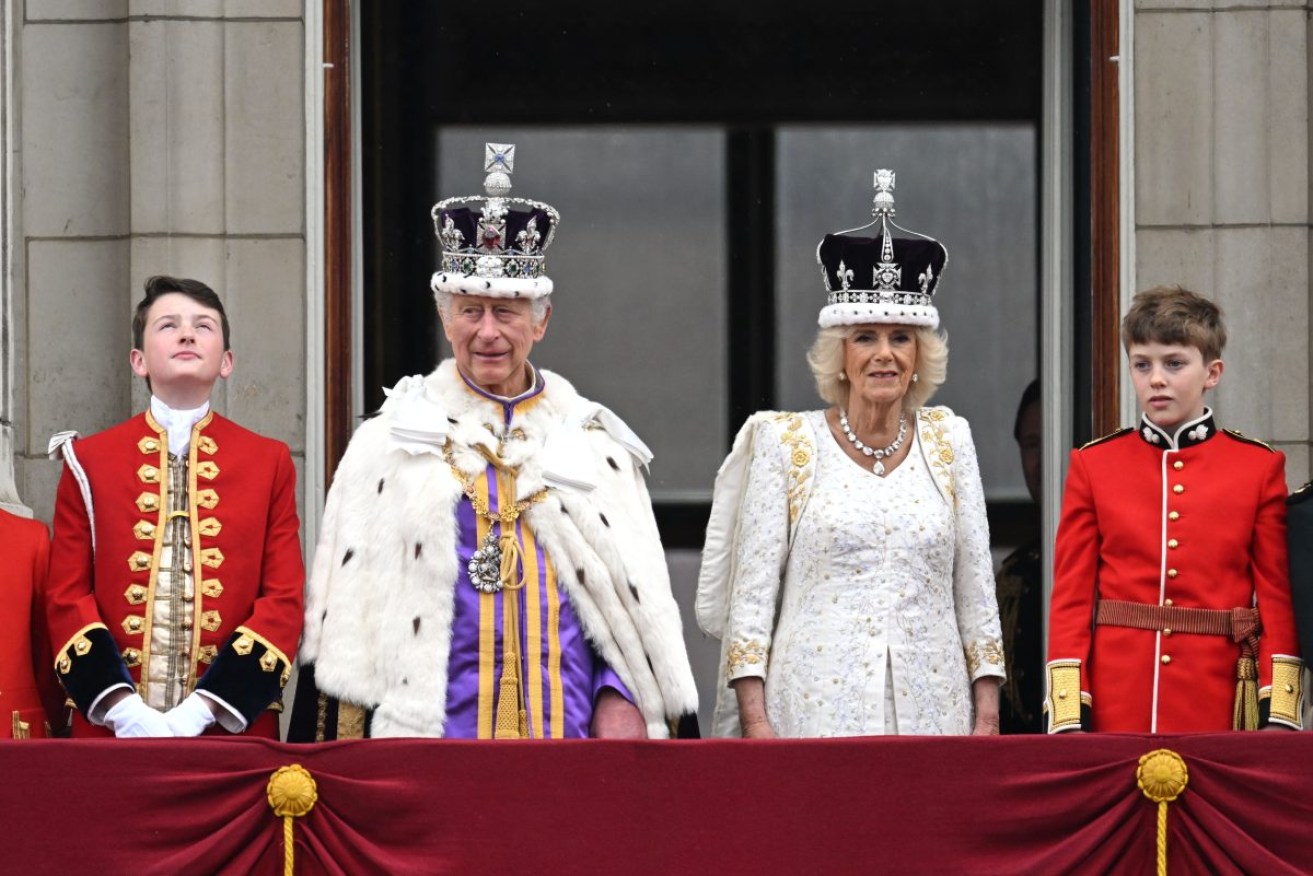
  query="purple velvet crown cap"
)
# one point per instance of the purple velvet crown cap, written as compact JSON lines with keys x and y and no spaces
{"x":494,"y":245}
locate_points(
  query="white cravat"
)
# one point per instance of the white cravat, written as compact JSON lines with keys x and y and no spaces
{"x":177,"y":423}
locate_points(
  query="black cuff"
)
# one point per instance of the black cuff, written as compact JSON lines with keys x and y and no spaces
{"x":1264,"y":711}
{"x":90,"y":665}
{"x":246,"y":674}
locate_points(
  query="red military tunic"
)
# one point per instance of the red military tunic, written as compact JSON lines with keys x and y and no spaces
{"x":110,"y":518}
{"x":28,"y":692}
{"x":1192,"y":520}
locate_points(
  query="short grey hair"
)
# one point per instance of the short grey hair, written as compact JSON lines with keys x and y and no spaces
{"x":446,"y":298}
{"x":826,"y":360}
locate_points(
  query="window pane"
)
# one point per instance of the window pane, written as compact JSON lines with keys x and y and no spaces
{"x":638,"y":319}
{"x":973,"y":187}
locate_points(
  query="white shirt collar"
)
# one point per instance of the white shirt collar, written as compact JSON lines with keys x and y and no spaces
{"x":177,"y":423}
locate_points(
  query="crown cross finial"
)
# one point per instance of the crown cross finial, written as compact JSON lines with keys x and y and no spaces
{"x":499,"y":164}
{"x":499,"y":156}
{"x":884,"y":193}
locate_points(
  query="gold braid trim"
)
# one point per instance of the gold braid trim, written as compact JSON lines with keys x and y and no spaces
{"x":1287,"y":696}
{"x":512,"y":719}
{"x":935,"y":436}
{"x":800,"y":453}
{"x":1064,"y":694}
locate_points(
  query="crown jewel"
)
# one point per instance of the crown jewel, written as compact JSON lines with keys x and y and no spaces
{"x":494,"y":245}
{"x":870,"y":279}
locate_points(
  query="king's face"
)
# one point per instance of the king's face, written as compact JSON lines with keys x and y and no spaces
{"x":491,"y":339}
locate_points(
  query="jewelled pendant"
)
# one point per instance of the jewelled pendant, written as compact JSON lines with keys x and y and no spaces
{"x":879,"y":469}
{"x":485,"y":566}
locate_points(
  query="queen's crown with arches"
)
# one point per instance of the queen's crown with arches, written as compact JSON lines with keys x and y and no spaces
{"x":881,"y":279}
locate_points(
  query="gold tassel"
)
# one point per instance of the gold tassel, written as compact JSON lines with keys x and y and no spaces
{"x":1245,"y":715}
{"x":512,"y":718}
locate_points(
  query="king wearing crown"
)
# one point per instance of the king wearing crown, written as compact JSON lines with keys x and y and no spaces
{"x":490,"y":565}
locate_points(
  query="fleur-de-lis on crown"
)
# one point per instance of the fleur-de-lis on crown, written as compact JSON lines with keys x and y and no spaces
{"x":926,"y":278}
{"x":845,"y":275}
{"x":527,"y":240}
{"x":451,"y":236}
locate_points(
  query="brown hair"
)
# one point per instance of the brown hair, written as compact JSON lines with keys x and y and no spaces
{"x":1173,"y":315}
{"x":193,"y":289}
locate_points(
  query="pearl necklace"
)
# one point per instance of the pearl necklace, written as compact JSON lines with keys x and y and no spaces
{"x":871,"y":451}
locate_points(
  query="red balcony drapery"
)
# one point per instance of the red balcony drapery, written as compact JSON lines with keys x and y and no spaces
{"x":896,"y":805}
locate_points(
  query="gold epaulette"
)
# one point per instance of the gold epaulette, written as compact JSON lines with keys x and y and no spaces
{"x":1303,"y":494}
{"x":1245,"y":438}
{"x":1111,"y":435}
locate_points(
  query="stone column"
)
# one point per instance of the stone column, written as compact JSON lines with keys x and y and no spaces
{"x":158,"y":137}
{"x":1222,"y":194}
{"x":9,"y":499}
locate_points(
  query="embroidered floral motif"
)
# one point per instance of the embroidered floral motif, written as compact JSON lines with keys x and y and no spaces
{"x":935,"y":436}
{"x":745,"y":654}
{"x":986,"y":653}
{"x":1198,"y":433}
{"x":1150,"y":435}
{"x":801,"y":453}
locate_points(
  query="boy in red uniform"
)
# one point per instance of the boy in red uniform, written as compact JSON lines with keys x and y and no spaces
{"x":1171,"y":603}
{"x":28,"y":693}
{"x":174,"y":595}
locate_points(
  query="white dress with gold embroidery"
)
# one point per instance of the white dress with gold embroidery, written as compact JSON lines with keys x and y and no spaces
{"x":886,"y":599}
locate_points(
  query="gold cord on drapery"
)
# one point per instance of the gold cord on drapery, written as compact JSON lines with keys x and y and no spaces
{"x":1162,"y":777}
{"x":292,"y":793}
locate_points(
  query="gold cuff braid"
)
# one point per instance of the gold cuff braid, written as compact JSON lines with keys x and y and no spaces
{"x":1064,"y":694}
{"x":1287,"y":703}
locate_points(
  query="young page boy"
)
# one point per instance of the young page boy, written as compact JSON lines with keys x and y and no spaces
{"x":174,"y":595}
{"x":1171,"y":603}
{"x":28,"y":693}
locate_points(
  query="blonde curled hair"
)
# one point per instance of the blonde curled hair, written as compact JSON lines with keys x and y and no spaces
{"x":827,"y":354}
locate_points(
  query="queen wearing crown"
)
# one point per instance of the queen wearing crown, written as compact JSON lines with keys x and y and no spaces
{"x":846,"y":569}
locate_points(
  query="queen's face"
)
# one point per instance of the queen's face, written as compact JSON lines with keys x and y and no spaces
{"x":878,"y":361}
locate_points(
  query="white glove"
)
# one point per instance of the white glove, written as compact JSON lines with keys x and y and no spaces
{"x":190,"y":717}
{"x":131,"y":718}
